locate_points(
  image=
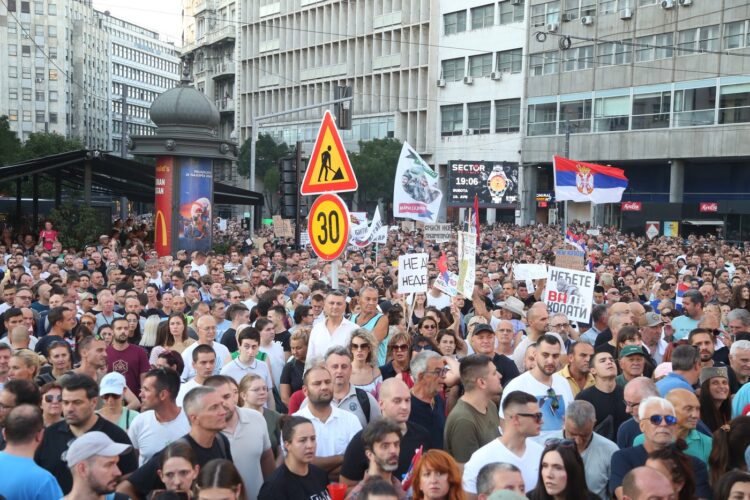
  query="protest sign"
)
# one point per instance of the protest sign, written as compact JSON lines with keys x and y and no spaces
{"x":258,"y":244}
{"x":282,"y":228}
{"x":523,"y":272}
{"x":407,"y":226}
{"x":437,"y":233}
{"x":467,"y":250}
{"x":412,"y":273}
{"x":569,"y":259}
{"x":448,"y":286}
{"x":570,"y":292}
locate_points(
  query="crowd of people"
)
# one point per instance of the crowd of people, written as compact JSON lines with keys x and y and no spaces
{"x":251,"y":375}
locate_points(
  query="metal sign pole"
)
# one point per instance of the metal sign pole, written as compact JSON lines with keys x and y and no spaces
{"x":335,"y":274}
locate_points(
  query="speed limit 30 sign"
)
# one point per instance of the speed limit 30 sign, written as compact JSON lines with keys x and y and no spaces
{"x":328,"y":226}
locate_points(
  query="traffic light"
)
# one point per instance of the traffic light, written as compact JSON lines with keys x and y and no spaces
{"x":343,"y":110}
{"x":288,"y":187}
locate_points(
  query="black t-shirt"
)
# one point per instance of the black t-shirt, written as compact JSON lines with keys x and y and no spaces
{"x":229,"y":339}
{"x":356,"y":463}
{"x":612,"y":404}
{"x":284,"y":484}
{"x":145,"y":479}
{"x":604,"y":337}
{"x":284,"y":337}
{"x":431,"y":417}
{"x":292,"y":374}
{"x":57,"y":439}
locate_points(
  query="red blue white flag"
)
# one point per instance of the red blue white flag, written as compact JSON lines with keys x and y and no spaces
{"x":580,"y":181}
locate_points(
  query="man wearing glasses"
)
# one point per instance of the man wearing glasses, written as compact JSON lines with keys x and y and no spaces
{"x":658,"y":424}
{"x":517,"y":446}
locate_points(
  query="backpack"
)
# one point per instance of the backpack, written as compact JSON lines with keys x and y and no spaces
{"x":364,"y":403}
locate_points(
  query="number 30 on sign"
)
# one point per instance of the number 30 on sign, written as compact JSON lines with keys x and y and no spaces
{"x":328,"y":226}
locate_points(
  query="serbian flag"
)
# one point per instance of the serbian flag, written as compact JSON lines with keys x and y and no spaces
{"x":575,"y":240}
{"x":579,"y":181}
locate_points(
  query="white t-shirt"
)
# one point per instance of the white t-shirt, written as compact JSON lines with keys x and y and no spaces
{"x":221,"y":351}
{"x":321,"y":339}
{"x":149,"y":436}
{"x":334,"y":434}
{"x":248,"y":442}
{"x":276,"y":356}
{"x":495,"y":451}
{"x":184,"y":389}
{"x":440,"y":302}
{"x":553,"y":417}
{"x":520,"y":351}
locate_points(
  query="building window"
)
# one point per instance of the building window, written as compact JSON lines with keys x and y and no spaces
{"x":607,"y":6}
{"x":11,"y":5}
{"x":26,"y":94}
{"x":455,"y":22}
{"x":577,"y":114}
{"x":25,"y":8}
{"x":39,"y":96}
{"x":480,"y":65}
{"x":734,"y":105}
{"x":53,"y":117}
{"x":39,"y":30}
{"x":53,"y":95}
{"x":510,"y":61}
{"x":545,"y":13}
{"x":39,"y":7}
{"x":507,"y":116}
{"x":452,"y":119}
{"x":578,"y":58}
{"x":52,"y":31}
{"x":510,"y":13}
{"x":697,"y":40}
{"x":483,"y":17}
{"x":654,"y":47}
{"x":544,"y":63}
{"x":26,"y":50}
{"x":26,"y":115}
{"x":694,"y":107}
{"x":40,"y":116}
{"x":651,"y":110}
{"x":611,"y":113}
{"x":13,"y":94}
{"x":52,"y":52}
{"x":542,"y":119}
{"x":479,"y":116}
{"x":52,"y":11}
{"x":13,"y":71}
{"x":642,"y":3}
{"x":611,"y":53}
{"x":13,"y":115}
{"x":453,"y":69}
{"x":12,"y":49}
{"x":735,"y":35}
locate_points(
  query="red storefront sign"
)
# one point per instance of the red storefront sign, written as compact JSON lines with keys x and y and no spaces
{"x":710,"y":206}
{"x":163,"y":205}
{"x":632,"y":206}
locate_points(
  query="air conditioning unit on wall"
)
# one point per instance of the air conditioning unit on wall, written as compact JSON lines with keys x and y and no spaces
{"x":587,"y":20}
{"x":667,"y":4}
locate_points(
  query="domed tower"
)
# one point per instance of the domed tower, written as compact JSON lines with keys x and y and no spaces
{"x":185,"y":145}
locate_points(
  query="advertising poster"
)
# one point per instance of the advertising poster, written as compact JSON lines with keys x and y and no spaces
{"x":163,"y":205}
{"x":196,"y":193}
{"x":494,"y":184}
{"x":570,"y":292}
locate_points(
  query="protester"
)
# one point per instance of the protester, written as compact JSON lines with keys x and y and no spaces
{"x":561,"y":474}
{"x":219,"y":478}
{"x":437,"y":477}
{"x":93,"y":461}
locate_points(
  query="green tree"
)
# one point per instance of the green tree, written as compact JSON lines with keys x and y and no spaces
{"x":271,"y":186}
{"x":10,"y":145}
{"x":43,"y":144}
{"x":267,"y":155}
{"x":375,"y":168}
{"x":76,"y":224}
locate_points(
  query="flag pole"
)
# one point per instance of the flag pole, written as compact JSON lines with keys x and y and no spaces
{"x":567,"y":155}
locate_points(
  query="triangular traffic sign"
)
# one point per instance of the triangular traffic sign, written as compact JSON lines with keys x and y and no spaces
{"x":329,"y":170}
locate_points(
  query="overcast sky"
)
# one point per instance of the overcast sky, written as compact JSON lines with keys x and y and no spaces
{"x":163,"y":16}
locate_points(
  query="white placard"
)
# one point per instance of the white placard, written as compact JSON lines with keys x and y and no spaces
{"x":412,"y":273}
{"x":523,"y":272}
{"x":570,"y":292}
{"x":467,"y":249}
{"x":447,"y":287}
{"x":437,"y":233}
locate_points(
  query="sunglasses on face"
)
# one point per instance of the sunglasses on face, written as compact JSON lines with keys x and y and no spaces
{"x":559,"y":443}
{"x":420,"y":348}
{"x":53,"y":398}
{"x":400,"y":347}
{"x":360,"y":347}
{"x":536,"y":416}
{"x":669,"y":420}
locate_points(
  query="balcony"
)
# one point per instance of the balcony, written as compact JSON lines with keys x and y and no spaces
{"x":225,"y":105}
{"x":227,"y":33}
{"x":224,"y":70}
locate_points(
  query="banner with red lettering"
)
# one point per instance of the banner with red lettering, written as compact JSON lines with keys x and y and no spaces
{"x":163,"y":205}
{"x":570,"y":292}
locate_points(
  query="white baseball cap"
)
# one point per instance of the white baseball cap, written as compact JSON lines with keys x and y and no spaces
{"x":92,"y":444}
{"x":112,"y":383}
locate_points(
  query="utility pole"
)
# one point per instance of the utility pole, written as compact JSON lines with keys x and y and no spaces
{"x":124,"y":146}
{"x":297,"y":205}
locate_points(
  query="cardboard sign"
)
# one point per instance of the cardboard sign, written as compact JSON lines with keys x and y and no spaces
{"x":407,"y":226}
{"x":282,"y":228}
{"x":412,"y":273}
{"x":437,"y":233}
{"x":570,"y":292}
{"x":569,"y":259}
{"x":467,"y":249}
{"x":258,"y":244}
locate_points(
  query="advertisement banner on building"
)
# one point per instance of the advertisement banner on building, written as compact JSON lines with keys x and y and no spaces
{"x":163,"y":205}
{"x":709,"y":207}
{"x":570,"y":292}
{"x":196,"y":193}
{"x":495,"y":184}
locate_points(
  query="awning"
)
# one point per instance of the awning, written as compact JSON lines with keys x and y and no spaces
{"x":115,"y":176}
{"x":695,"y":222}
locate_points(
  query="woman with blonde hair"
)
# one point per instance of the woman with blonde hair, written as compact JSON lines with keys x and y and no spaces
{"x":398,"y":355}
{"x":148,"y":340}
{"x":23,"y":365}
{"x":253,"y":393}
{"x":365,"y":372}
{"x":437,"y":477}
